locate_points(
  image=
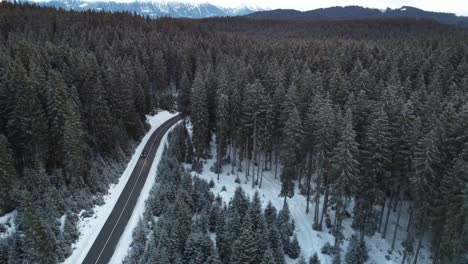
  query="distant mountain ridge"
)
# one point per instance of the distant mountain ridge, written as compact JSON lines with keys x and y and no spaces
{"x":358,"y":12}
{"x":151,"y":9}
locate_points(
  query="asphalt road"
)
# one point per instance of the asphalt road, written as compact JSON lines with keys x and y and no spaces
{"x":105,"y":243}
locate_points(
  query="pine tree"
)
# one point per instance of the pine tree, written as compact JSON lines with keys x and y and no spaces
{"x":28,"y":125}
{"x":357,"y":251}
{"x":56,"y":114}
{"x":293,"y":134}
{"x":314,"y":259}
{"x":337,"y":258}
{"x":344,"y":170}
{"x":7,"y":176}
{"x":284,"y":226}
{"x":276,"y":243}
{"x":454,"y":203}
{"x":199,"y":116}
{"x":278,"y":123}
{"x":321,"y":137}
{"x":240,"y":202}
{"x":197,"y":248}
{"x":375,"y":156}
{"x":270,"y":214}
{"x":426,"y":158}
{"x":185,"y":94}
{"x":213,"y":258}
{"x":74,"y":160}
{"x":222,"y":119}
{"x":294,"y":249}
{"x":138,"y":245}
{"x":223,"y":242}
{"x":268,"y":258}
{"x":244,"y":247}
{"x":43,"y":244}
{"x":259,"y":227}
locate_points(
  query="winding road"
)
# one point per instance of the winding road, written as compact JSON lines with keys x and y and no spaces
{"x":103,"y":247}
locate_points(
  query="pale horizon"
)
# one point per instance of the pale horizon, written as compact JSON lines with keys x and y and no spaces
{"x":448,"y":6}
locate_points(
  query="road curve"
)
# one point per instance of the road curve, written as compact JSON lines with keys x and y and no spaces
{"x":103,"y":247}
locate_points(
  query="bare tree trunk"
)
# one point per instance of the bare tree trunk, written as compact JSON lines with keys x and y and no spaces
{"x":325,"y":199}
{"x":218,"y":154}
{"x":418,"y":249}
{"x":259,"y":165}
{"x":460,"y":244}
{"x":397,"y":224}
{"x":299,"y":172}
{"x":309,"y":175}
{"x":271,"y":158}
{"x":336,"y":215}
{"x":384,"y":234}
{"x":248,"y":159}
{"x":317,"y":194}
{"x":403,"y":259}
{"x":234,"y":156}
{"x":408,"y":239}
{"x":261,"y":172}
{"x":335,"y":231}
{"x":410,"y":218}
{"x":254,"y":154}
{"x":276,"y":161}
{"x":382,"y":213}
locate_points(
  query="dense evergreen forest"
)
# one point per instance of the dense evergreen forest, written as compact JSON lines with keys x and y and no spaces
{"x":187,"y":213}
{"x":374,"y":111}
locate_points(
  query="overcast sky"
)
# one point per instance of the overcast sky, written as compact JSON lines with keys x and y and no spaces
{"x":459,"y":7}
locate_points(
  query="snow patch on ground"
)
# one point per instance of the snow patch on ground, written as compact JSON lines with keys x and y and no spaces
{"x":90,"y":227}
{"x":8,"y":221}
{"x":126,"y":239}
{"x":62,"y":220}
{"x":311,"y":241}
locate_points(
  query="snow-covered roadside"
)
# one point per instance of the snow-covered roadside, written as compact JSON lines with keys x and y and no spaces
{"x":311,"y":241}
{"x":8,"y":222}
{"x":89,"y":227}
{"x":123,"y":246}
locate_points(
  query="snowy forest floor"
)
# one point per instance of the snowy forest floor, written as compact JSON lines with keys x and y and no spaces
{"x":7,"y":224}
{"x":89,"y":227}
{"x":311,"y":241}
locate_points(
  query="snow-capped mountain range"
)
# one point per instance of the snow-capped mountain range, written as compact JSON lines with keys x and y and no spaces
{"x":359,"y":12}
{"x":152,"y":8}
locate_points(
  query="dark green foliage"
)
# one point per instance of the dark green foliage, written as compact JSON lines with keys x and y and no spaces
{"x":361,"y":109}
{"x":284,"y":226}
{"x":294,"y":249}
{"x":7,"y":176}
{"x":276,"y":244}
{"x":314,"y":259}
{"x":199,"y":116}
{"x":197,"y":248}
{"x":211,"y":183}
{"x":138,"y":244}
{"x":244,"y":246}
{"x":357,"y":251}
{"x":336,"y":258}
{"x":327,"y":249}
{"x":181,"y":234}
{"x":214,"y":257}
{"x":270,"y":214}
{"x":268,"y":258}
{"x":294,"y":136}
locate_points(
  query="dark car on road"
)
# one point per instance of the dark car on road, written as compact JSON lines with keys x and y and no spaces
{"x":144,"y":154}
